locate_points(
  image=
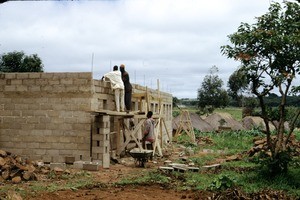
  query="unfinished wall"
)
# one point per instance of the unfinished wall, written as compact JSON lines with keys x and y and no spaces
{"x":105,"y":128}
{"x":43,"y":115}
{"x":48,"y":115}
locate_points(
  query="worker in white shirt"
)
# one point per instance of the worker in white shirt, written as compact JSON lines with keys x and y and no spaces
{"x":117,"y":85}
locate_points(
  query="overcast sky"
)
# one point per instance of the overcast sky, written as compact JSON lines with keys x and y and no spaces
{"x":173,"y":41}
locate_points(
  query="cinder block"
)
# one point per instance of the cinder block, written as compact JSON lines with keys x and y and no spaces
{"x":91,"y":166}
{"x":10,"y":75}
{"x":211,"y":167}
{"x":78,"y":165}
{"x":98,"y":137}
{"x":58,"y":159}
{"x":98,"y":161}
{"x":59,"y":165}
{"x":179,"y":169}
{"x":36,"y":157}
{"x":106,"y":160}
{"x":47,"y":75}
{"x":97,"y":150}
{"x":22,"y":75}
{"x":34,"y":75}
{"x":71,"y":88}
{"x":16,"y":82}
{"x":166,"y":169}
{"x":193,"y":169}
{"x":80,"y":157}
{"x":10,"y":88}
{"x":69,"y":160}
{"x":105,"y":130}
{"x":47,"y":158}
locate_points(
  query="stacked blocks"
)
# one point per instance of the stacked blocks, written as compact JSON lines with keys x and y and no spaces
{"x":101,"y":140}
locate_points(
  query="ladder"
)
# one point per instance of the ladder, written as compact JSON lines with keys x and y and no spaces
{"x":185,"y":124}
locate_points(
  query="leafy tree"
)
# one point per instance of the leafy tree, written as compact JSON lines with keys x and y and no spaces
{"x":19,"y":62}
{"x":237,"y":84}
{"x":211,"y":95}
{"x":176,"y":101}
{"x":269,"y":51}
{"x":250,"y":103}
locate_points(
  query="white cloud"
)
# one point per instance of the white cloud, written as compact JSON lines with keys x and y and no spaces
{"x":175,"y":41}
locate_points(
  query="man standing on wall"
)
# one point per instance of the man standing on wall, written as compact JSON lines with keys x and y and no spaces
{"x":117,"y":85}
{"x":128,"y":87}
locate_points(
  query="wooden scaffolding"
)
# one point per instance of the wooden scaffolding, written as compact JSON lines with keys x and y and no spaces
{"x":129,"y":128}
{"x":185,"y":125}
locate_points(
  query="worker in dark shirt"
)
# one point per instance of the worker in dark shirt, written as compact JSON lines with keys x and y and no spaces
{"x":128,"y":87}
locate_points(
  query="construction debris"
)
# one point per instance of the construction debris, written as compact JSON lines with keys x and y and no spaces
{"x":260,"y":145}
{"x":15,"y":168}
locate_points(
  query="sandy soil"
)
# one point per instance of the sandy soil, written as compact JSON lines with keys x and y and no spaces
{"x":114,"y":174}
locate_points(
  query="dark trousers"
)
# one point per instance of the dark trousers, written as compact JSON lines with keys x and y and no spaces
{"x":128,"y":100}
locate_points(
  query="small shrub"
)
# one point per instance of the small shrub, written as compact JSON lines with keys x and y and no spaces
{"x":222,"y":182}
{"x":271,"y":166}
{"x":176,"y":113}
{"x":185,"y":140}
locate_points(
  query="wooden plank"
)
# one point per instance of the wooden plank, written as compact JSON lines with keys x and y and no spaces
{"x":112,"y":113}
{"x":119,"y":135}
{"x":131,"y":135}
{"x":139,"y":95}
{"x":169,"y":136}
{"x":156,"y":142}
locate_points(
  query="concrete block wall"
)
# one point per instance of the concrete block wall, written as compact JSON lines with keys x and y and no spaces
{"x":103,"y":96}
{"x":43,"y":115}
{"x":100,"y":138}
{"x":47,"y":115}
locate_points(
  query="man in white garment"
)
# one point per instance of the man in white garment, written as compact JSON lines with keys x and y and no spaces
{"x":117,"y":85}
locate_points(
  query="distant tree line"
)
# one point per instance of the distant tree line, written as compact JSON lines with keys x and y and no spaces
{"x":271,"y":101}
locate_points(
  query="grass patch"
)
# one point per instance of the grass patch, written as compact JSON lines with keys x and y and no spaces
{"x":297,"y":134}
{"x":70,"y":182}
{"x":249,"y":182}
{"x":205,"y":160}
{"x":232,"y":141}
{"x":243,"y":174}
{"x":235,"y":112}
{"x":254,"y":182}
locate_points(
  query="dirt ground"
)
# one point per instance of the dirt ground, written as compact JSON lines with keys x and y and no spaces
{"x":113,"y":174}
{"x":129,"y":192}
{"x":104,"y":188}
{"x":117,"y":172}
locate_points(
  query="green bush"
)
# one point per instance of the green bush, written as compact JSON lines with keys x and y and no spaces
{"x":222,"y":182}
{"x":272,"y":166}
{"x":175,"y":113}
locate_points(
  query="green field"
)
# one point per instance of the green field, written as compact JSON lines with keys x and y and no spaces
{"x":235,"y":112}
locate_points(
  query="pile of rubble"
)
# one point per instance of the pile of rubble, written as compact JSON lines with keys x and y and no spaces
{"x":17,"y":169}
{"x":260,"y":145}
{"x":204,"y":140}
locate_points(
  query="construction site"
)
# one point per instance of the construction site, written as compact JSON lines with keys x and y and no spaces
{"x":62,"y":138}
{"x":71,"y":118}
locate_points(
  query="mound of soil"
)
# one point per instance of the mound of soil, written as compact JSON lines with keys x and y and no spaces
{"x":251,"y":122}
{"x":215,"y":119}
{"x":197,"y":123}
